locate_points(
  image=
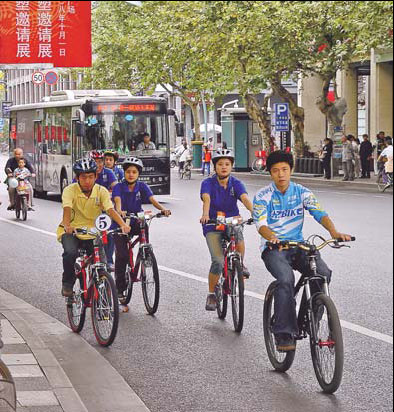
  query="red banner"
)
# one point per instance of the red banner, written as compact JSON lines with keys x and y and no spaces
{"x":57,"y":32}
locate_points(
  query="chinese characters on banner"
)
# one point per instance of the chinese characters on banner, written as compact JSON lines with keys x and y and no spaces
{"x":57,"y":32}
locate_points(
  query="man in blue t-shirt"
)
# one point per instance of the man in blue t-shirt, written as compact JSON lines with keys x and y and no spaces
{"x":279,"y":211}
{"x":220,"y":195}
{"x":129,"y":196}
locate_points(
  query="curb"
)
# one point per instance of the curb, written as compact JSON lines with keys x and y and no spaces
{"x":81,"y":378}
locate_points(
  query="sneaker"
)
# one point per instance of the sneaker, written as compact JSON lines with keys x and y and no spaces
{"x":211,"y":303}
{"x":30,"y":209}
{"x":67,"y":291}
{"x":11,"y":207}
{"x":285,"y":342}
{"x":122,"y":298}
{"x":245,"y":272}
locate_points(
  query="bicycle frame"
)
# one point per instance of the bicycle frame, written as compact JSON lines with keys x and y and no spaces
{"x":230,"y":255}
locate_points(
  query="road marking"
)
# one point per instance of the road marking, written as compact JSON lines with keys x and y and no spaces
{"x":348,"y":325}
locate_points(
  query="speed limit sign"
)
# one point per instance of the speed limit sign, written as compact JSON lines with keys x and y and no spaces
{"x":37,"y":77}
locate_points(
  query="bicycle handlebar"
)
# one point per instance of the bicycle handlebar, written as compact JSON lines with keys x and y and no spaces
{"x":305,"y":246}
{"x":216,"y":222}
{"x":133,"y":215}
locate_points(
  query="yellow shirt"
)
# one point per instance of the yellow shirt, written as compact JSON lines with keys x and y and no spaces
{"x":85,"y":210}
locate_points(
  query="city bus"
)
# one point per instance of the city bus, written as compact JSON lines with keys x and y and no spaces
{"x":70,"y":123}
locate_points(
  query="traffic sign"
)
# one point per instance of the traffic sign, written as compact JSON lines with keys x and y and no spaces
{"x":37,"y":77}
{"x":5,"y":109}
{"x":51,"y":78}
{"x":282,"y":118}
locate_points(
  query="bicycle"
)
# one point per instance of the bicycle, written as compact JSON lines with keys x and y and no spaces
{"x":186,"y":171}
{"x":384,"y":181}
{"x":317,"y":317}
{"x":7,"y":384}
{"x":94,"y":288}
{"x":145,"y":269}
{"x":260,"y":162}
{"x":231,"y":281}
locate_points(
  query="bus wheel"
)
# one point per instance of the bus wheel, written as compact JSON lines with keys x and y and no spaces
{"x":63,"y":182}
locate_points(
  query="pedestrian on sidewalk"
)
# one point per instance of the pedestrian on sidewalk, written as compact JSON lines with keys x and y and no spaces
{"x":326,"y":155}
{"x":357,"y":161}
{"x":366,"y":150}
{"x":206,"y":160}
{"x":347,"y":158}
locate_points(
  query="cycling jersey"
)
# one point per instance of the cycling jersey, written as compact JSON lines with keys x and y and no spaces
{"x":132,"y":201}
{"x":106,"y":178}
{"x":222,"y":200}
{"x":284,"y":213}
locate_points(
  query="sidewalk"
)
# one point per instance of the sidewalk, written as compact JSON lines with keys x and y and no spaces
{"x":56,"y":370}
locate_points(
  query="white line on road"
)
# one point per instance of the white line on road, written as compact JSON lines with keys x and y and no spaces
{"x":348,"y":325}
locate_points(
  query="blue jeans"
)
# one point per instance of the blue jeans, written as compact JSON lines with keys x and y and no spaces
{"x":281,"y":265}
{"x":206,"y":165}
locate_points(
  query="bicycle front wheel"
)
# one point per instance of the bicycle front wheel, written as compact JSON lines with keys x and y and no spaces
{"x":105,"y":310}
{"x":381,"y":183}
{"x":150,"y":283}
{"x":281,"y":361}
{"x":326,"y":343}
{"x":221,"y":298}
{"x":76,"y":309}
{"x":237,"y":296}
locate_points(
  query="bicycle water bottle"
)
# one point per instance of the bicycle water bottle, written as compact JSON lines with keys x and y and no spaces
{"x":221,"y":217}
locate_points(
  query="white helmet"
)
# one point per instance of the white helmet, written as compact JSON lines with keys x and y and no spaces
{"x":132,"y":161}
{"x":12,"y":183}
{"x":222,"y":154}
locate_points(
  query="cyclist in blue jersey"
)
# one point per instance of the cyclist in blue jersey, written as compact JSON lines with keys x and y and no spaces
{"x":110,"y":159}
{"x":129,"y":196}
{"x":220,"y":195}
{"x":279,"y":211}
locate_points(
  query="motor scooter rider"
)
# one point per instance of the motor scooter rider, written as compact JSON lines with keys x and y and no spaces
{"x":9,"y":169}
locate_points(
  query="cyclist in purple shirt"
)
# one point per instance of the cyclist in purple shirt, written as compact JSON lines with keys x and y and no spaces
{"x":129,"y":196}
{"x":105,"y":177}
{"x":220,"y":194}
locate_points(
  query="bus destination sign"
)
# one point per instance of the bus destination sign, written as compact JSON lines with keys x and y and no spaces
{"x":123,"y":108}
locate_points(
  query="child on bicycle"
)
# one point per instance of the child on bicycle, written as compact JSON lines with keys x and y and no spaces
{"x":220,"y":194}
{"x":22,"y":170}
{"x":129,"y":196}
{"x":278,"y":211}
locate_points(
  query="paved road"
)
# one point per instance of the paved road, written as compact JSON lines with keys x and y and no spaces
{"x":185,"y":359}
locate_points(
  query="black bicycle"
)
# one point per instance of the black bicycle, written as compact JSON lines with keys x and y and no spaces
{"x":317,"y":318}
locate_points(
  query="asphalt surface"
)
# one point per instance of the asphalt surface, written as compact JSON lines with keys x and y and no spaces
{"x":185,"y":359}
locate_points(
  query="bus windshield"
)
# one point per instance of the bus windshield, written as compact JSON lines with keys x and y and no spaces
{"x":124,"y":132}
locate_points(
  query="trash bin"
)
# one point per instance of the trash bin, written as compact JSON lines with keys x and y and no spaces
{"x":197,"y":154}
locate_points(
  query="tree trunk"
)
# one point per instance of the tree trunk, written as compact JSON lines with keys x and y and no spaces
{"x":334,"y":111}
{"x":196,"y":118}
{"x":260,"y":116}
{"x":297,"y":115}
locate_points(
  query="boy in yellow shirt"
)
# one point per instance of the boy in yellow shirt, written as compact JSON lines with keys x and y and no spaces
{"x":82,"y":202}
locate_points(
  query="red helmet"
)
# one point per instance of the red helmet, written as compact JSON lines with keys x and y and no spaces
{"x":96,"y":154}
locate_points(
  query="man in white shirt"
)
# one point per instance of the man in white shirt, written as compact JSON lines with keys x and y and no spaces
{"x":387,"y":155}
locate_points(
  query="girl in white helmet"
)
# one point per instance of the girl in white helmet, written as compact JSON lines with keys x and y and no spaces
{"x":129,"y":196}
{"x":220,"y":195}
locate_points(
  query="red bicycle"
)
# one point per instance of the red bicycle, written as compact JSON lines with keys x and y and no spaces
{"x":231,"y":281}
{"x":94,"y":288}
{"x":260,"y":162}
{"x":145,"y":269}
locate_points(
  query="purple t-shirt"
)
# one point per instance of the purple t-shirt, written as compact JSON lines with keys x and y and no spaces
{"x":222,"y":200}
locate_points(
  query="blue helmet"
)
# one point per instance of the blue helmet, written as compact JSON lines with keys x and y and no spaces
{"x":84,"y":166}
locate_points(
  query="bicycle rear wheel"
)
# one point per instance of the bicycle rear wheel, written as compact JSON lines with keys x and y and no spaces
{"x":237,"y":296}
{"x":326,"y":343}
{"x":221,"y":298}
{"x":150,"y":283}
{"x":76,"y":309}
{"x":281,"y":361}
{"x":105,"y":310}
